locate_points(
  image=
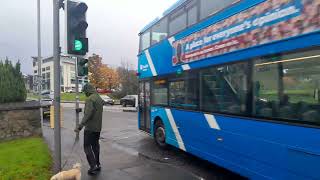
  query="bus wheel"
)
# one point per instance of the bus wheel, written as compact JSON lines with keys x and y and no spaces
{"x":160,"y":135}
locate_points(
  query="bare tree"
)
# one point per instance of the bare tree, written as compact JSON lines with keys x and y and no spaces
{"x":128,"y":79}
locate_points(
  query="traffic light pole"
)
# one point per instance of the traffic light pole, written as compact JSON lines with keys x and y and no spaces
{"x":57,"y":89}
{"x":39,"y":61}
{"x":77,"y":98}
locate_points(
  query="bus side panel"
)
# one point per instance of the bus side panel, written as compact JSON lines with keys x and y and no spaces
{"x":205,"y":141}
{"x":201,"y":140}
{"x":303,"y":161}
{"x":253,"y":148}
{"x":271,"y":143}
{"x":195,"y":139}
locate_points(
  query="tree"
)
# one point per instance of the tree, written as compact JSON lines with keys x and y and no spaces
{"x":102,"y":76}
{"x":12,"y":87}
{"x":128,"y":80}
{"x":110,"y":78}
{"x":95,"y":62}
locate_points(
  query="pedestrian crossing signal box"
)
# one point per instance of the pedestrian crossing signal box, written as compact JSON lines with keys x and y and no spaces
{"x":52,"y":119}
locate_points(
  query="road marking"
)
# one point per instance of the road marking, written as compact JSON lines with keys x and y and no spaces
{"x":212,"y":121}
{"x":175,"y":130}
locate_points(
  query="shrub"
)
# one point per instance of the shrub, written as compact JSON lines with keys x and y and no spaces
{"x":12,"y":87}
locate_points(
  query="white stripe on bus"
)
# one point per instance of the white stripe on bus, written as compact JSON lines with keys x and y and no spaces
{"x":153,"y":69}
{"x":175,"y":130}
{"x":212,"y":121}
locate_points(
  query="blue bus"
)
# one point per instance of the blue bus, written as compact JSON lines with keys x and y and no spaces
{"x":236,"y":82}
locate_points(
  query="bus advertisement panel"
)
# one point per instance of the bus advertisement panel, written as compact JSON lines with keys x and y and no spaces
{"x":267,"y":22}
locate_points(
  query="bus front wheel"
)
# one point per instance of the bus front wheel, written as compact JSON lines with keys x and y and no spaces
{"x":160,"y":135}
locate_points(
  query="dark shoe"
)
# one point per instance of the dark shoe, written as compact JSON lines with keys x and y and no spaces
{"x":99,"y":167}
{"x":93,"y":171}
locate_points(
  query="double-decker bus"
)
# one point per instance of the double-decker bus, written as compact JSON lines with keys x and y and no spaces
{"x":236,"y":82}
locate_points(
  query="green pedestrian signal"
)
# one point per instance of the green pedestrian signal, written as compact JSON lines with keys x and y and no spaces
{"x":78,"y":45}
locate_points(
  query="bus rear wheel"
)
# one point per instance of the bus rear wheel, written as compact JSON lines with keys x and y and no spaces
{"x":160,"y":135}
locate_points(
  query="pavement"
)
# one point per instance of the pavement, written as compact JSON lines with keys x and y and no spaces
{"x":128,"y":154}
{"x":109,"y":108}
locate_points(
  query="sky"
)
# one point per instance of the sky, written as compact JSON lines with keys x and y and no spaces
{"x":113,"y":28}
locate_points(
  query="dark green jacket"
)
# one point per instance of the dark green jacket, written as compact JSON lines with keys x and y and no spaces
{"x":92,"y":119}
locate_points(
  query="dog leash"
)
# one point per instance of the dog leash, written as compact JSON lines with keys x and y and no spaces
{"x":76,"y":140}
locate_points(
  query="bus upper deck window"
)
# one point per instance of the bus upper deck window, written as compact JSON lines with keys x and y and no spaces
{"x":145,"y":40}
{"x":192,"y":12}
{"x":178,"y":22}
{"x":210,"y":7}
{"x":159,"y":31}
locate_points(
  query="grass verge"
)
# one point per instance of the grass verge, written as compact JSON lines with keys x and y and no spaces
{"x":25,"y":159}
{"x":72,"y":97}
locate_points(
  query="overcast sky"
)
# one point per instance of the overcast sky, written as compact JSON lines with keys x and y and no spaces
{"x":113,"y":28}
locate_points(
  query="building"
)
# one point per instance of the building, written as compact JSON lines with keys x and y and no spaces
{"x":68,"y":74}
{"x":28,"y":82}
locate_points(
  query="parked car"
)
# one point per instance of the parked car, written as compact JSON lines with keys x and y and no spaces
{"x":70,"y":91}
{"x":128,"y":100}
{"x":46,"y":102}
{"x":103,"y":91}
{"x":47,"y":95}
{"x":107,"y":99}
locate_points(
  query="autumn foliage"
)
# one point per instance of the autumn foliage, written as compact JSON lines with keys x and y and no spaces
{"x":101,"y":75}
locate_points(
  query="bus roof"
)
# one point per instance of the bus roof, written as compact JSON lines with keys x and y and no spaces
{"x":168,"y":11}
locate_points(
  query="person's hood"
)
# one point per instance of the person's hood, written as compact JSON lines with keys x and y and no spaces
{"x":89,"y":89}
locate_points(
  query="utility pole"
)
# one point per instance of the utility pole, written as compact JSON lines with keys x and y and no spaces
{"x":57,"y":86}
{"x":39,"y":62}
{"x":78,"y":110}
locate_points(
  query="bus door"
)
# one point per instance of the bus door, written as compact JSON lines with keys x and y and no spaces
{"x":144,"y":106}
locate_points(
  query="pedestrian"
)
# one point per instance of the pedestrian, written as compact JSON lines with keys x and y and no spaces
{"x":92,"y":121}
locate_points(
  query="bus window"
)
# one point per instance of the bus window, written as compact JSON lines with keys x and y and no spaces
{"x":177,"y":93}
{"x":184,"y":92}
{"x":159,"y":31}
{"x":192,"y":15}
{"x":145,"y":40}
{"x":160,"y":92}
{"x":178,"y":22}
{"x":210,"y":7}
{"x":224,"y":89}
{"x":288,"y":87}
{"x":192,"y":12}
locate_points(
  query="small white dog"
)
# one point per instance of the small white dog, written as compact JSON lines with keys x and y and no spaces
{"x":72,"y":174}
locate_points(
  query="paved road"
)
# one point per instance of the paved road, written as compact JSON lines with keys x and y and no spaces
{"x":130,"y":154}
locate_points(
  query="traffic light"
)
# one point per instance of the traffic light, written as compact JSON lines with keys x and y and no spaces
{"x":76,"y":24}
{"x":82,"y":66}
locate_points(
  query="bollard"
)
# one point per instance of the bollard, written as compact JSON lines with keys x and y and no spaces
{"x":52,"y":117}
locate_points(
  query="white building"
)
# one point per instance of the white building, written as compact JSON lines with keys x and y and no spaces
{"x":68,"y":75}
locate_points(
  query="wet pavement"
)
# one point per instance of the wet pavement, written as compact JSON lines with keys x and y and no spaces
{"x":127,"y":153}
